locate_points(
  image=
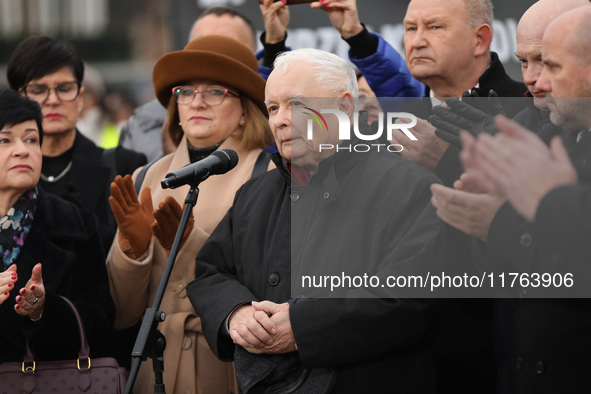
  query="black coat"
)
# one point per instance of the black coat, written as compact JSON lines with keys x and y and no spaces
{"x":464,"y":346}
{"x":450,"y":168}
{"x":377,"y":345}
{"x":506,"y":308}
{"x":92,"y":179}
{"x":66,"y":242}
{"x":549,"y":350}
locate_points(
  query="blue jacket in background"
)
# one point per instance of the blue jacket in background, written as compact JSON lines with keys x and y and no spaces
{"x":386,"y":72}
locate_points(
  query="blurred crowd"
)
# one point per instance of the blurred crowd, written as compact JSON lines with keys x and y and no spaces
{"x":491,"y":175}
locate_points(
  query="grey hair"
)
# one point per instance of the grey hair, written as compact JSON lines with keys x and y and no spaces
{"x":480,"y":12}
{"x":330,"y":71}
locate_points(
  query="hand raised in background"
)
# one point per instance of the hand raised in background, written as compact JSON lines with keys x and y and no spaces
{"x":343,"y":15}
{"x":276,"y":19}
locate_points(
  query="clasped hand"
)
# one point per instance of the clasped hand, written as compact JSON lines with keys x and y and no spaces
{"x":263,"y":327}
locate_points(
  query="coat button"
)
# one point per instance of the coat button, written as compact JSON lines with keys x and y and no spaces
{"x":326,"y":195}
{"x":295,"y":196}
{"x":526,"y":240}
{"x":187,"y":343}
{"x":540,"y":367}
{"x":519,"y":363}
{"x":273,"y":279}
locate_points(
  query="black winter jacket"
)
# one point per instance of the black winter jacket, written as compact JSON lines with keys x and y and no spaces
{"x":377,"y":345}
{"x":65,"y":241}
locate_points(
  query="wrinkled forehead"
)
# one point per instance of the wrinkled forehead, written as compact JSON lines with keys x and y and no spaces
{"x":420,"y":11}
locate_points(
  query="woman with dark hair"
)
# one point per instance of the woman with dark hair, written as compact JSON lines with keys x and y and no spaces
{"x":215,"y":100}
{"x":50,"y":72}
{"x":48,"y":249}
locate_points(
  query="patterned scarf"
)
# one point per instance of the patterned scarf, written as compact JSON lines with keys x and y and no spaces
{"x":15,"y":226}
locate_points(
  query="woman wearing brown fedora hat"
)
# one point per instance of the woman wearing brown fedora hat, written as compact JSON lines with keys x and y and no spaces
{"x":214,"y":98}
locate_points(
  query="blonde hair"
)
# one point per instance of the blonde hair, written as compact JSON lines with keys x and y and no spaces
{"x":256,"y":132}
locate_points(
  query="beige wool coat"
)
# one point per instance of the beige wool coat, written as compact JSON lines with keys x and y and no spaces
{"x":189,"y":364}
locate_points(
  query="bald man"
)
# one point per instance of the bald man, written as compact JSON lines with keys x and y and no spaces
{"x":545,"y":341}
{"x":551,"y":335}
{"x":473,"y":213}
{"x":530,"y":31}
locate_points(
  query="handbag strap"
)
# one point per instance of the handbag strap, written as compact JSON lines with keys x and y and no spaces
{"x":83,"y":353}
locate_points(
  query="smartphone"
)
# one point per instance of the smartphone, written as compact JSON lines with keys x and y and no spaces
{"x":289,"y":2}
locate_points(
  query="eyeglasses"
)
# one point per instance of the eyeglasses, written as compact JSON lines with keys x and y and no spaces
{"x":212,"y":96}
{"x":65,"y":91}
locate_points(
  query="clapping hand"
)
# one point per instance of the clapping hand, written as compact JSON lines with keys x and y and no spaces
{"x":167,"y":219}
{"x":133,"y":219}
{"x":7,"y":280}
{"x":472,"y":114}
{"x":31,"y":299}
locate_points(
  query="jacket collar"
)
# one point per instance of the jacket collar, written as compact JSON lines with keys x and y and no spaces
{"x":494,"y":78}
{"x":58,"y":219}
{"x":88,"y":173}
{"x":337,"y":162}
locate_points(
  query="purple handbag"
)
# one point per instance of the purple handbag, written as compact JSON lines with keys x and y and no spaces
{"x":99,"y":375}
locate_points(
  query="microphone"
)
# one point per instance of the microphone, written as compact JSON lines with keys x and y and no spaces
{"x":219,"y":162}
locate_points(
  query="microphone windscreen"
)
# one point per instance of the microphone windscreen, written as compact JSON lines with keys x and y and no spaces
{"x":229,"y":157}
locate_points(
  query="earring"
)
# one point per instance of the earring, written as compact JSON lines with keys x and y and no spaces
{"x":180,"y":124}
{"x":242,"y":122}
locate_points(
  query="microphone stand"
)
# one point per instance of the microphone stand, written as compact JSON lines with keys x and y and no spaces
{"x":150,"y":342}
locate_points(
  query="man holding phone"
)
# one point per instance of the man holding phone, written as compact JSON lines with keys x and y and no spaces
{"x":370,"y":53}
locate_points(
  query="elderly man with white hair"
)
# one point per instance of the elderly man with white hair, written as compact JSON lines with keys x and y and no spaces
{"x":323,"y":204}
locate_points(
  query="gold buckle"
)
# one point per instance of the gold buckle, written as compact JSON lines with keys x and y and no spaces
{"x":78,"y":363}
{"x":29,"y":368}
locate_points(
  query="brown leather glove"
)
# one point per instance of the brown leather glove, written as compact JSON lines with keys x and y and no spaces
{"x":133,"y":219}
{"x":168,"y":217}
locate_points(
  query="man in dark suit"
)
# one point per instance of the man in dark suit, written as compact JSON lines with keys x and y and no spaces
{"x":473,"y":213}
{"x":320,"y":209}
{"x":546,"y":226}
{"x":447,"y":46}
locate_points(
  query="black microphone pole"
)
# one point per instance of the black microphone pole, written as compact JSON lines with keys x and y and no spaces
{"x":150,"y":342}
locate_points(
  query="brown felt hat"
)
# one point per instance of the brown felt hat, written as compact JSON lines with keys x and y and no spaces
{"x":216,"y":58}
